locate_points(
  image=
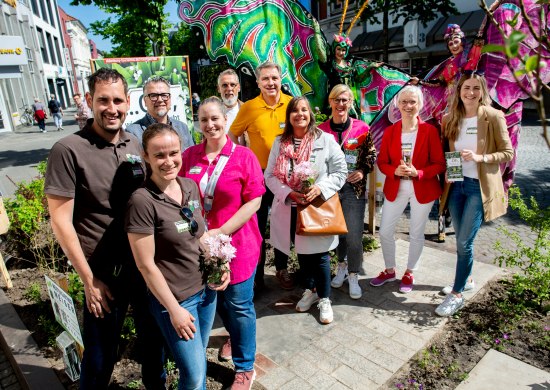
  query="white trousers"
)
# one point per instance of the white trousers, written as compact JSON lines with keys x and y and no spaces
{"x":391,"y":212}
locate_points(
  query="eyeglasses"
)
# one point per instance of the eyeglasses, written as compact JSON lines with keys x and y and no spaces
{"x":470,"y":72}
{"x":229,"y":85}
{"x":155,"y":96}
{"x":187,"y":214}
{"x":341,"y":101}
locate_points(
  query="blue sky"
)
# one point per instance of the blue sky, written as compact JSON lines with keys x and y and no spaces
{"x":90,"y":13}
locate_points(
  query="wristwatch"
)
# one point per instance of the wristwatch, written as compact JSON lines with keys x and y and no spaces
{"x":485,"y":159}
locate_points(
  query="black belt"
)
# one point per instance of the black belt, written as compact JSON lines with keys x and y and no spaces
{"x":406,"y":178}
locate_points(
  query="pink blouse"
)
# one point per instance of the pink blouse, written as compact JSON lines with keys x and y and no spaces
{"x":240,"y":181}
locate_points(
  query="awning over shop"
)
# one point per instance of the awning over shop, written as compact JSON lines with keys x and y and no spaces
{"x":374,"y":40}
{"x":469,"y":22}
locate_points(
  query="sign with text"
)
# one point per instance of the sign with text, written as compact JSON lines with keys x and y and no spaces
{"x":63,"y":308}
{"x":12,"y":50}
{"x":136,"y":70}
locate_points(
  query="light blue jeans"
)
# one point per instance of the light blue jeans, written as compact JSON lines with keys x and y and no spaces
{"x":466,"y":209}
{"x":190,"y":355}
{"x":58,"y":119}
{"x":236,"y":308}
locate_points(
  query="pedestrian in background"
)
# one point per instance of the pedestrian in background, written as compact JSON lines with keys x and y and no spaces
{"x":479,"y":132}
{"x":56,"y":112}
{"x":411,"y":157}
{"x":39,"y":114}
{"x":82,"y":111}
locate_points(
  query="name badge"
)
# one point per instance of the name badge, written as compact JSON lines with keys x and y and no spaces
{"x":193,"y":205}
{"x":137,"y":171}
{"x":182,"y":226}
{"x":195,"y":170}
{"x":471,"y":130}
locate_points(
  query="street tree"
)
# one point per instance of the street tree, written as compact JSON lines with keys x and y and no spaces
{"x":141,"y":26}
{"x":405,"y":10}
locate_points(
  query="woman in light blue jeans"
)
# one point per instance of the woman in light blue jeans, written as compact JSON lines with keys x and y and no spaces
{"x":164,"y":224}
{"x":480,"y":134}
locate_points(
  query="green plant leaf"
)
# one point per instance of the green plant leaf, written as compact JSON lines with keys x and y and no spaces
{"x":531,"y":63}
{"x":491,"y":48}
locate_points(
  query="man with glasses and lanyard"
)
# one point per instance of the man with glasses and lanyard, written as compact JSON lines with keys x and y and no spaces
{"x":157,"y":100}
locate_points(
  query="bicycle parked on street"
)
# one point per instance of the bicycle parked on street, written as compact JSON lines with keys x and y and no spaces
{"x":27,"y":118}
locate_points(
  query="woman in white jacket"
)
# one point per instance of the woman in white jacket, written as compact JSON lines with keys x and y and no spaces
{"x":301,"y":142}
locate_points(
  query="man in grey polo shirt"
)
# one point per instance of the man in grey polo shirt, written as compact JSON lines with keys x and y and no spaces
{"x":158,"y":100}
{"x":89,"y":179}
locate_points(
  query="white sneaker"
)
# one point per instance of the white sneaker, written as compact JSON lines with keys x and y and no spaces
{"x":341,"y":275}
{"x":308,"y":298}
{"x":450,"y":306}
{"x":355,"y":291}
{"x":467,"y":287}
{"x":325,"y":309}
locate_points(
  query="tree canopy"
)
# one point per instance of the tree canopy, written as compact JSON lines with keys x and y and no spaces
{"x":141,"y":27}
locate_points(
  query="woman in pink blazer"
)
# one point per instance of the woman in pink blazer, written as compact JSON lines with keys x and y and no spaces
{"x":411,"y":157}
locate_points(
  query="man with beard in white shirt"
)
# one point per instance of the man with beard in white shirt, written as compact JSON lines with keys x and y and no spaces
{"x":229,"y":88}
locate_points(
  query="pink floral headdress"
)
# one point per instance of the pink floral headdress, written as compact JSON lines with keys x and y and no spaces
{"x":453,"y":30}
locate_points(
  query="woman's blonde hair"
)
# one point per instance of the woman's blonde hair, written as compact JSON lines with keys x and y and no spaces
{"x":456,"y":106}
{"x":340,"y":89}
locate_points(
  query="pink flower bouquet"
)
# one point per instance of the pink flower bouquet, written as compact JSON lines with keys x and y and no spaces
{"x":305,"y":174}
{"x":219,"y":256}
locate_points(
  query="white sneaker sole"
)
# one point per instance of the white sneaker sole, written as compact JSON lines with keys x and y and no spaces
{"x":337,"y":285}
{"x":303,"y":309}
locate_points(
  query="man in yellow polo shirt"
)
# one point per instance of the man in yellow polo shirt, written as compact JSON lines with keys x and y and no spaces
{"x":263,"y":118}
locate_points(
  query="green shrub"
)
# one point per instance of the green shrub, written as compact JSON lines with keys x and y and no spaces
{"x":76,"y":288}
{"x":30,"y":235}
{"x":531,"y":284}
{"x":33,"y":293}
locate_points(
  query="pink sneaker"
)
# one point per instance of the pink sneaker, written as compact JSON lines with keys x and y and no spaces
{"x":406,"y":285}
{"x":382,"y":279}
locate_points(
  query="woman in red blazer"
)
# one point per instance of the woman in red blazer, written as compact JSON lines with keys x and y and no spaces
{"x":411,"y":157}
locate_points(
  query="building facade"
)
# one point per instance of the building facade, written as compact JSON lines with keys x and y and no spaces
{"x":77,"y":51}
{"x":21,"y":71}
{"x":50,"y":43}
{"x":32,"y":60}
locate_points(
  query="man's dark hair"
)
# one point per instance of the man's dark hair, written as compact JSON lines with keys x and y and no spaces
{"x":105,"y":75}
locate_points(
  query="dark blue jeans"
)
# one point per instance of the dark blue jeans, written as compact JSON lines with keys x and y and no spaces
{"x":236,"y":309}
{"x":190,"y":355}
{"x":262,"y":215}
{"x":350,"y":246}
{"x":101,"y":336}
{"x":315,"y":268}
{"x":466,"y":208}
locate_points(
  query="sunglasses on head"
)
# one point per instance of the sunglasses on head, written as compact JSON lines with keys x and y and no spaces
{"x":477,"y":72}
{"x":187,"y":214}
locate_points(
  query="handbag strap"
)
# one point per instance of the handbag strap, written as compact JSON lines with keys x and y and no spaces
{"x":213,"y":180}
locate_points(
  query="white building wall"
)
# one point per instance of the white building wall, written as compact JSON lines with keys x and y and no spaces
{"x":17,"y":93}
{"x":81,"y":52}
{"x":46,"y":19}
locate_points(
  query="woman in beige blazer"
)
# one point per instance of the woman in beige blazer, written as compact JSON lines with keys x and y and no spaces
{"x":479,"y":133}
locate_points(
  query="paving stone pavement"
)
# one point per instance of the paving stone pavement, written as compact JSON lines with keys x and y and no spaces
{"x":369,"y":339}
